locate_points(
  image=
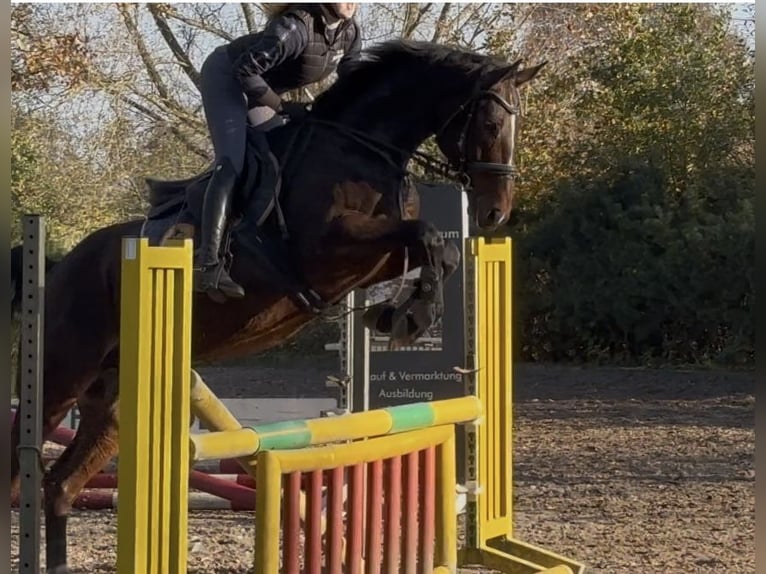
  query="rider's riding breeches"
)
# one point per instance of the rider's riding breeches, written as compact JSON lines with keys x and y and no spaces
{"x":225,"y":109}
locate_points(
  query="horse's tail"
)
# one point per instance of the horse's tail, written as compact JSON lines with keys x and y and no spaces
{"x":17,"y":263}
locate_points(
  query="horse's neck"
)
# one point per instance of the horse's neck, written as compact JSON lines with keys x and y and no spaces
{"x":405,"y":131}
{"x":399,"y":124}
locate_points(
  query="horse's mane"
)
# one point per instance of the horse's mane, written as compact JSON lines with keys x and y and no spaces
{"x":407,"y":62}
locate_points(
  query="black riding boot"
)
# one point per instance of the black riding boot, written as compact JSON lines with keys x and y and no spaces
{"x":209,"y":271}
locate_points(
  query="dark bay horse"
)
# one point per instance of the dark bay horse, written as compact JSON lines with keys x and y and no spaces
{"x":352,"y":219}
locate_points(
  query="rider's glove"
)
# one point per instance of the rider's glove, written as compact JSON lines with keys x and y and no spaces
{"x":296,"y":111}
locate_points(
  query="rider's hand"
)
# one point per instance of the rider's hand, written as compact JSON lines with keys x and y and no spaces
{"x":294,"y":110}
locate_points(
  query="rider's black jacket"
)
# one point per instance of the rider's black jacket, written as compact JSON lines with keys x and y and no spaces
{"x":296,"y":48}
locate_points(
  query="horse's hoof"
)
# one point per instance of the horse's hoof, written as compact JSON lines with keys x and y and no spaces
{"x":216,"y":296}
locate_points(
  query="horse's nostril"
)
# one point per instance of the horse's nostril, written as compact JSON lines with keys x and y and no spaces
{"x":495,"y":216}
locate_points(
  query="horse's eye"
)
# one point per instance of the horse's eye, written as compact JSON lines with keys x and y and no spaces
{"x":493,"y":128}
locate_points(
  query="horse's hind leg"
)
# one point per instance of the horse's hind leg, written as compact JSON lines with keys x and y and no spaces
{"x":94,"y":445}
{"x":64,"y":379}
{"x":53,"y":413}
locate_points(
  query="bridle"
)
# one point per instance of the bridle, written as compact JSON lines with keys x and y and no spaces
{"x":459,"y":170}
{"x":464,"y":167}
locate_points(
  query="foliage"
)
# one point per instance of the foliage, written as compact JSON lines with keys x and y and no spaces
{"x":79,"y":185}
{"x":41,"y":60}
{"x":618,"y":269}
{"x":668,"y":83}
{"x":638,"y":242}
{"x":42,"y":166}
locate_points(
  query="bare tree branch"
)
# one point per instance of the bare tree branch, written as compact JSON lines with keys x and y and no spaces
{"x":455,"y":29}
{"x":441,"y":22}
{"x":151,"y":114}
{"x":201,"y":25}
{"x":483,"y":24}
{"x":247,"y":12}
{"x":163,"y":107}
{"x":182,"y":115}
{"x":166,"y":102}
{"x":143,"y":52}
{"x":413,"y":17}
{"x":181,"y":56}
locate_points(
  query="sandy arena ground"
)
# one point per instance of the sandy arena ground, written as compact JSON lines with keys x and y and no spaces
{"x":626,"y":470}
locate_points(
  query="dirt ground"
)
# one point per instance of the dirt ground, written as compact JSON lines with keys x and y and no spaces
{"x":626,"y":470}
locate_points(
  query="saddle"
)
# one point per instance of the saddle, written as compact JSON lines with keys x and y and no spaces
{"x":175,"y":209}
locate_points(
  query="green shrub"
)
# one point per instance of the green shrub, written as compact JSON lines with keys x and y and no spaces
{"x":621,"y":269}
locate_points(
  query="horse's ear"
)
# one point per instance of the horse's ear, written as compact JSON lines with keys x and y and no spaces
{"x":497,"y":75}
{"x":528,"y":74}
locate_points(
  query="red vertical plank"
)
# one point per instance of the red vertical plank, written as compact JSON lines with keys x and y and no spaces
{"x":355,"y":519}
{"x":427,"y":510}
{"x":335,"y":521}
{"x":314,"y":524}
{"x":392,"y":527}
{"x":291,"y":524}
{"x":410,"y":554}
{"x":374,"y":517}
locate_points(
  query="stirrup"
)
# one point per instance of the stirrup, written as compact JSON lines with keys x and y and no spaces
{"x":216,"y":283}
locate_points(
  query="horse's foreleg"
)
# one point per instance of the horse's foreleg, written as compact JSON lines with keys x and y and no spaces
{"x":399,"y":262}
{"x":55,"y":407}
{"x":93,"y":446}
{"x":355,"y":230}
{"x":426,"y":249}
{"x":53,"y":414}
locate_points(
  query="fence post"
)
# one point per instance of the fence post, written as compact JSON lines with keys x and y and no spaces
{"x":155,"y":370}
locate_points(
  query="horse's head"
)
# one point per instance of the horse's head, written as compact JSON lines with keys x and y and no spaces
{"x":479,"y":140}
{"x":405,"y":91}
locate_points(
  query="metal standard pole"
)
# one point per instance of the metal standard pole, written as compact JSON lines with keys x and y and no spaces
{"x":30,"y":400}
{"x":354,"y":352}
{"x":358,"y":355}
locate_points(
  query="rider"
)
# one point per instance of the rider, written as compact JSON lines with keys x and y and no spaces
{"x":301,"y":44}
